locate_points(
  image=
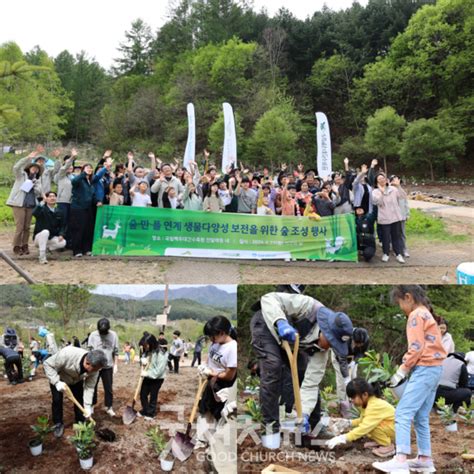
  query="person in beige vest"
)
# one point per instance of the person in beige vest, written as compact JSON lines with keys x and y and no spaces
{"x":79,"y":369}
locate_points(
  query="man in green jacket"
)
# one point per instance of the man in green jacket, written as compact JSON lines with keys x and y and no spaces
{"x":50,"y":226}
{"x":79,"y":369}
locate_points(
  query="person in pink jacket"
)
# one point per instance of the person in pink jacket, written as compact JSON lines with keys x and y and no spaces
{"x":389,"y":216}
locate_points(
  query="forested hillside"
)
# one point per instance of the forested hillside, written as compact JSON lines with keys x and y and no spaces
{"x":393,"y":77}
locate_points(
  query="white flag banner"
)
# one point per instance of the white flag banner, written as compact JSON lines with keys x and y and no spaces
{"x":190,"y":152}
{"x":229,"y":151}
{"x":323,"y":139}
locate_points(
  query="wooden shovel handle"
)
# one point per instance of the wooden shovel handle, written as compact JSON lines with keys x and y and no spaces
{"x":140,"y":383}
{"x":69,"y":394}
{"x":202,"y":386}
{"x":292,"y":358}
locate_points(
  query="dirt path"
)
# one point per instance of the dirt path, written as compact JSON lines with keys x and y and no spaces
{"x":131,"y":452}
{"x":443,"y":210}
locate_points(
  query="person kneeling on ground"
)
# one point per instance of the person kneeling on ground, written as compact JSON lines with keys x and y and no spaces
{"x":78,"y":369}
{"x":365,"y":233}
{"x":50,"y":226}
{"x":12,"y":361}
{"x":377,"y":420}
{"x":453,"y":385}
{"x":154,"y":361}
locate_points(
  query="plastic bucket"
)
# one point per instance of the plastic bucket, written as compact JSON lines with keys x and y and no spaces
{"x":452,"y":427}
{"x":166,"y":465}
{"x":271,"y":441}
{"x":399,"y":389}
{"x":86,"y":464}
{"x":465,"y":273}
{"x":36,"y":450}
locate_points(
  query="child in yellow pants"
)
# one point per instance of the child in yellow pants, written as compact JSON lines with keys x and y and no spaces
{"x":377,"y":420}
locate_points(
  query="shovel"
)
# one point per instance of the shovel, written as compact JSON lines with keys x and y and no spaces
{"x":129,"y":414}
{"x":105,"y":433}
{"x":182,"y":445}
{"x":292,"y":358}
{"x":69,"y":394}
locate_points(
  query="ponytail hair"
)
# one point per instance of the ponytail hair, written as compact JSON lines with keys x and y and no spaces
{"x":219,"y":324}
{"x":359,"y":386}
{"x":417,"y":292}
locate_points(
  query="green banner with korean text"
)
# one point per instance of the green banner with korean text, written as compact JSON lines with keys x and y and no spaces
{"x":137,"y":231}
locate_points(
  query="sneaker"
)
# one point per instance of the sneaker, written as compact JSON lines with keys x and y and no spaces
{"x":78,"y":255}
{"x":43,"y":260}
{"x":385,"y":258}
{"x":110,"y":411}
{"x":58,"y":430}
{"x":148,"y":418}
{"x":394,"y":465}
{"x":291,"y":416}
{"x":17,"y":250}
{"x":139,"y":414}
{"x":406,"y":254}
{"x":25,"y":249}
{"x":88,"y":254}
{"x":400,"y":259}
{"x":421,"y":466}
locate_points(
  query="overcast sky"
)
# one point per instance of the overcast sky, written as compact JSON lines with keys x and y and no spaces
{"x":98,"y":26}
{"x":142,"y":290}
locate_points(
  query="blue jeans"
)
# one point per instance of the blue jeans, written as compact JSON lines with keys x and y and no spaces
{"x":415,"y":405}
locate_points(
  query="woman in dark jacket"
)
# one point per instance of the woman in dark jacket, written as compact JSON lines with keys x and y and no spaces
{"x":83,"y":203}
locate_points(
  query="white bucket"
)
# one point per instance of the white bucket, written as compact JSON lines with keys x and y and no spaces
{"x":166,"y":465}
{"x":452,"y":427}
{"x":86,"y":464}
{"x":271,"y":441}
{"x":36,"y":450}
{"x":465,"y":273}
{"x":399,"y":389}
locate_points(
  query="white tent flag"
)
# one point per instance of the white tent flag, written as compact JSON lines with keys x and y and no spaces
{"x":323,"y":139}
{"x":190,"y":153}
{"x":229,"y":151}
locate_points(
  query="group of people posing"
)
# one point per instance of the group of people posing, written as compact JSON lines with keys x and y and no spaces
{"x":66,"y":217}
{"x":429,"y":369}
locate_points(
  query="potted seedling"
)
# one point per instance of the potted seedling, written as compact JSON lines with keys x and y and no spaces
{"x":253,"y":409}
{"x":466,"y":413}
{"x":159,"y":444}
{"x":84,"y":441}
{"x":447,"y":415}
{"x":379,"y":369}
{"x":41,"y":429}
{"x":26,"y":366}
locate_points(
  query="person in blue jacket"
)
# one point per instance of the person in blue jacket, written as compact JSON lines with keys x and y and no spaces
{"x":83,"y":204}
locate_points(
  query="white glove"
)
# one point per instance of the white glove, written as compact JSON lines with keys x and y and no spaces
{"x":115,"y":369}
{"x":144,"y":373}
{"x":204,"y":371}
{"x":347,"y":380}
{"x":60,"y":386}
{"x":144,"y":361}
{"x":223,"y":394}
{"x":333,"y":442}
{"x":229,"y":409}
{"x":342,"y":424}
{"x":397,"y":377}
{"x":87,"y":411}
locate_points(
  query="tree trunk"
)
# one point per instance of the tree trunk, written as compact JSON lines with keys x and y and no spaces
{"x":431,"y":170}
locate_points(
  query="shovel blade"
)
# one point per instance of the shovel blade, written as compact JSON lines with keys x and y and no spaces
{"x":182,"y":446}
{"x":129,"y":415}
